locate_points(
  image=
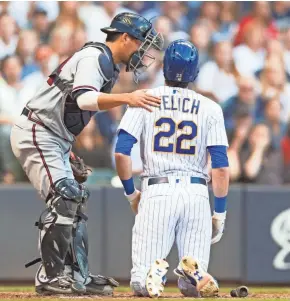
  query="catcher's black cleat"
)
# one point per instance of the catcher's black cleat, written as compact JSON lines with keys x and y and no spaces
{"x":100,"y":285}
{"x":61,"y":285}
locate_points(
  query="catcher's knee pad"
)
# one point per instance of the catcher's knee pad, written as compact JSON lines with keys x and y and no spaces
{"x":56,"y":224}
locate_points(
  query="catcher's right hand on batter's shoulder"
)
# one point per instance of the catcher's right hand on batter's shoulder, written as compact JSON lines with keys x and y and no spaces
{"x":140,"y":98}
{"x":79,"y":168}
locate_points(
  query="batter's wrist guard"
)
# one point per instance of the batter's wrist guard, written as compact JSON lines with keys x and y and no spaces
{"x":131,"y":196}
{"x":220,"y":216}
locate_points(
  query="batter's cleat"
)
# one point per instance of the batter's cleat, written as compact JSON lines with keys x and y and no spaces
{"x":100,"y":285}
{"x":156,"y":279}
{"x":61,"y":285}
{"x":205,"y":284}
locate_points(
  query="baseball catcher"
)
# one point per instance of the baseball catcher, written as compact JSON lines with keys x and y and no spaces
{"x":42,"y":139}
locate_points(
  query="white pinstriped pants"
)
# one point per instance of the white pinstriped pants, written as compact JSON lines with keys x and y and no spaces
{"x":171,"y":212}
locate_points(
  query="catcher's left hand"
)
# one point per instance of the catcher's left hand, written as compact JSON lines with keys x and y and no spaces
{"x":218,"y":226}
{"x":79,"y":168}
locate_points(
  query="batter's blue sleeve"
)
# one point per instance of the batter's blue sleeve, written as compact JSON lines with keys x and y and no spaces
{"x":219,"y":157}
{"x":125,"y":143}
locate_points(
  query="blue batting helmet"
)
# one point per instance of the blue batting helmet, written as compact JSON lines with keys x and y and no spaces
{"x":180,"y":62}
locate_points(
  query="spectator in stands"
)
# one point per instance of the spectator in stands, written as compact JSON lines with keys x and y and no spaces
{"x":273,"y":120}
{"x":19,"y":11}
{"x":11,"y":69}
{"x":41,"y":24}
{"x":217,"y":78}
{"x":164,"y":26}
{"x":261,"y":13}
{"x":68,"y":15}
{"x":281,"y":14}
{"x":237,"y":139}
{"x":228,"y":19}
{"x":175,"y":10}
{"x":79,"y":39}
{"x":141,"y":6}
{"x":244,"y":102}
{"x":8,"y":37}
{"x":209,"y":13}
{"x":47,"y":61}
{"x":249,"y":56}
{"x":61,"y":41}
{"x":274,"y":48}
{"x":260,"y":163}
{"x":97,"y":16}
{"x":51,"y":7}
{"x":12,"y":100}
{"x":287,"y":51}
{"x":200,"y":37}
{"x":274,"y":84}
{"x":285,"y":148}
{"x":27,"y":43}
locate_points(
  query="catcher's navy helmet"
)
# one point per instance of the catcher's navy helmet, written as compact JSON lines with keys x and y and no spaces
{"x":141,"y":29}
{"x":180,"y":62}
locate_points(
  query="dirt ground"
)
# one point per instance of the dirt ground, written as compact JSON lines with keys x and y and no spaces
{"x":125,"y":295}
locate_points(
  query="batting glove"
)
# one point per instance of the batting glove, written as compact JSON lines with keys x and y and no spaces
{"x":218,"y":226}
{"x":133,"y":196}
{"x":134,"y":200}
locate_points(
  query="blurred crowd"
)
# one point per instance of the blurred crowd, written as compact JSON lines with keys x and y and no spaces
{"x":244,"y":66}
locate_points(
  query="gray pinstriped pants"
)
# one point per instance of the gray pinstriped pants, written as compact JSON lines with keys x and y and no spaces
{"x":43,"y":155}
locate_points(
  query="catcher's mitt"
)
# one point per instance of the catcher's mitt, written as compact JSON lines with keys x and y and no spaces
{"x":79,"y":168}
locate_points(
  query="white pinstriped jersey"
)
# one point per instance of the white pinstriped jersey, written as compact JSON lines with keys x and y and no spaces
{"x":174,"y":138}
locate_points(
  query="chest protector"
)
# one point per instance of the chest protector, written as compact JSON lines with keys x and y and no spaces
{"x":76,"y":119}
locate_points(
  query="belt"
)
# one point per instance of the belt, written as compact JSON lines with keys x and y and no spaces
{"x":161,"y":180}
{"x":28,"y":113}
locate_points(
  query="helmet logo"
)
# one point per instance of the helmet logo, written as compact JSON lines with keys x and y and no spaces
{"x":179,"y":77}
{"x":127,"y":20}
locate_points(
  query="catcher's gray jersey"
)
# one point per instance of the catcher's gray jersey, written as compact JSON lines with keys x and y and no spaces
{"x":81,"y":71}
{"x":42,"y":137}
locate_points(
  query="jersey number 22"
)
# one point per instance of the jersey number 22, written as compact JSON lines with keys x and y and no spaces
{"x":178,"y":143}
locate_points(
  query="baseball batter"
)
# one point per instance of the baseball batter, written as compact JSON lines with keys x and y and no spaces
{"x":173,"y":205}
{"x":43,"y":136}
